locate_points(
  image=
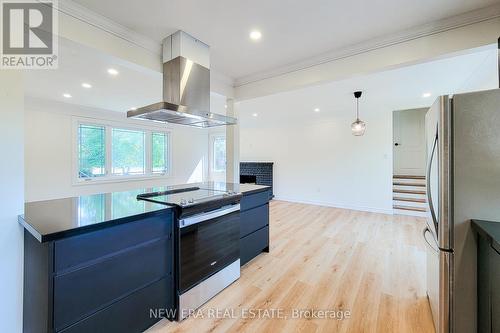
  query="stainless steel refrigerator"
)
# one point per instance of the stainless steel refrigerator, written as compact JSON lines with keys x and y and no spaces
{"x":463,"y":183}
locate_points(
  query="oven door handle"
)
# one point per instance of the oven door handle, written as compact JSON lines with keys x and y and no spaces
{"x":208,"y":216}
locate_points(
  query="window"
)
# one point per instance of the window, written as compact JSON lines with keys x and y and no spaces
{"x":128,"y":152}
{"x":91,"y":151}
{"x":112,"y":152}
{"x":219,"y":154}
{"x":159,"y":152}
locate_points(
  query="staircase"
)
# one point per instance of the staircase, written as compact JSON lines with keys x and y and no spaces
{"x":409,"y":195}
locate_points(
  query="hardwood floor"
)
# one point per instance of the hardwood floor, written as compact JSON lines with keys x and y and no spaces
{"x":322,"y":258}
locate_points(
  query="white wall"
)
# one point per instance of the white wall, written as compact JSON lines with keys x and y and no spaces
{"x":320,"y":162}
{"x":11,"y":200}
{"x":48,"y":152}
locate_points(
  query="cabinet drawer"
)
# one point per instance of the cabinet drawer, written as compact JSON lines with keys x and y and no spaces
{"x":254,"y":219}
{"x":93,"y":245}
{"x":131,"y":314}
{"x":81,"y":292}
{"x":254,"y":200}
{"x":253,"y":244}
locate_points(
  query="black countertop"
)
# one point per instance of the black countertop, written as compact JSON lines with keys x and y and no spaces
{"x":490,"y":230}
{"x":60,"y":218}
{"x":245,"y":189}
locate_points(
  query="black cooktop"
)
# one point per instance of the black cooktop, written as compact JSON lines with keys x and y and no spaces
{"x":193,"y":200}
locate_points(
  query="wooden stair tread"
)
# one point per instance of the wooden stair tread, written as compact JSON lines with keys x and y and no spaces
{"x":415,"y":209}
{"x":409,"y":199}
{"x":407,"y":177}
{"x":408,"y":184}
{"x":408,"y":191}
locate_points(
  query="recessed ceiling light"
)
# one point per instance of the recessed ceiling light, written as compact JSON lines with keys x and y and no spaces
{"x":66,"y":95}
{"x":133,"y":108}
{"x":255,"y":35}
{"x":426,"y":95}
{"x":316,"y":110}
{"x":254,"y":114}
{"x":86,"y":85}
{"x":112,"y":71}
{"x":225,"y":106}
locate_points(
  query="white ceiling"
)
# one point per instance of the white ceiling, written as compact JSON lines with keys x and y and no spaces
{"x":136,"y":86}
{"x":132,"y":87}
{"x":387,"y":91}
{"x":293,"y":30}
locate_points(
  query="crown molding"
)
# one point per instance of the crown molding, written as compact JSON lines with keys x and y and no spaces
{"x":222,"y":78}
{"x":83,"y":14}
{"x":429,"y":29}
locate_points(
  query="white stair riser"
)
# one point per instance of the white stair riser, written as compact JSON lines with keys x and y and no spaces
{"x":409,"y":181}
{"x":409,"y":195}
{"x":409,"y":213}
{"x":410,"y":204}
{"x":409,"y":188}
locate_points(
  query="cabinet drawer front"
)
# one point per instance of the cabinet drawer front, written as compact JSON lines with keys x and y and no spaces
{"x":253,"y":244}
{"x":82,"y":292}
{"x":254,"y":200}
{"x":254,"y":219}
{"x":131,"y":314}
{"x":79,"y":249}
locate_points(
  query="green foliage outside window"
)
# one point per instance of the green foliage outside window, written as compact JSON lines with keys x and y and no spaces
{"x":92,"y":151}
{"x":159,"y":152}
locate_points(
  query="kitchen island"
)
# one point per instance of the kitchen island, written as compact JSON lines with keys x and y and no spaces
{"x":106,"y":262}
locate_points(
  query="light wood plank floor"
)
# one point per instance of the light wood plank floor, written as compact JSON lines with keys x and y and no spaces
{"x":327,"y":259}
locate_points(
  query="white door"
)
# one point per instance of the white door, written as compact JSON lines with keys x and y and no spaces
{"x":409,"y":142}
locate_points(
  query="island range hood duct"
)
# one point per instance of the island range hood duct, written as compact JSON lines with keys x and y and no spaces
{"x":186,"y":86}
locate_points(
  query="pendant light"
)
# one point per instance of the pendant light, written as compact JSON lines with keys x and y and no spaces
{"x":358,"y":127}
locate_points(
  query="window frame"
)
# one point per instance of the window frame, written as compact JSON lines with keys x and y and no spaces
{"x":109,"y":177}
{"x":168,"y":152}
{"x":213,"y":137}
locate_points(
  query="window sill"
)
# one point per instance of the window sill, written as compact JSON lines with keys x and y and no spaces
{"x":119,"y":179}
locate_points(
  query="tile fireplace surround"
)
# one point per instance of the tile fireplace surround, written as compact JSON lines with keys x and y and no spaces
{"x":262,"y":172}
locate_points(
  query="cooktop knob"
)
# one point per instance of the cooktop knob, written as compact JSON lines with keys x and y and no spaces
{"x":183,"y":201}
{"x":191,"y":200}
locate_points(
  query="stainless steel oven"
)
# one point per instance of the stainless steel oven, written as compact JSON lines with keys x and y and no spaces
{"x":209,"y":253}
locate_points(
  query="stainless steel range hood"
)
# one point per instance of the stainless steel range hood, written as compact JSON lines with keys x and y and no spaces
{"x":186,"y":86}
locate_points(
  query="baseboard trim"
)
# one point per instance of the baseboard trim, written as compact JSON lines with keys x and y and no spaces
{"x":336,"y":205}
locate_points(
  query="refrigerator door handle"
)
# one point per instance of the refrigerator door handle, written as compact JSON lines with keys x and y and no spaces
{"x":428,"y":180}
{"x":424,"y":233}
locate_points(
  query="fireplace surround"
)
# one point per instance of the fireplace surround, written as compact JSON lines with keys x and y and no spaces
{"x":260,"y":173}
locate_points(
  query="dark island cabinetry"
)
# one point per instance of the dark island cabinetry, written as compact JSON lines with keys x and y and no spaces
{"x":254,"y":227}
{"x":105,"y":280}
{"x":107,"y":262}
{"x":488,"y":276}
